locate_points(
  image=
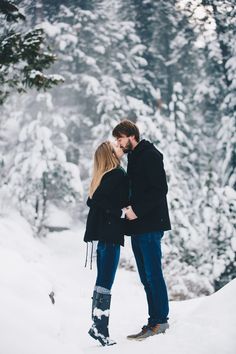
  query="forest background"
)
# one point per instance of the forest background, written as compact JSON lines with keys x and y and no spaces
{"x":69,"y":71}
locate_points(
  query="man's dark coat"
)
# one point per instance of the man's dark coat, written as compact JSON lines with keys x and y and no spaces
{"x":148,"y":190}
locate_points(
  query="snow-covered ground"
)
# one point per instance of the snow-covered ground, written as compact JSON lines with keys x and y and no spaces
{"x":30,"y":324}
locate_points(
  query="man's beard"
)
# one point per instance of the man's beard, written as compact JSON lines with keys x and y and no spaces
{"x":128,"y":147}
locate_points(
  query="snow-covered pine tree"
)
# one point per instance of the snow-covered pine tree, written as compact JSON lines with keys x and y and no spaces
{"x":23,"y":55}
{"x":224,"y":15}
{"x":217,"y":209}
{"x":104,"y":70}
{"x":41,"y":174}
{"x":214,"y":120}
{"x":108,"y":77}
{"x":215,"y":25}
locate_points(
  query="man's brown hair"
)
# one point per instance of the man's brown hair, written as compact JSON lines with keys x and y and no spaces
{"x":127,"y":128}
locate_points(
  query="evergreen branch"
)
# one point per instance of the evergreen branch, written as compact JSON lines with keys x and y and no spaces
{"x":10,"y":11}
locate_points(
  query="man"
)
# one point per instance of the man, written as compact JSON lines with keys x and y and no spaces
{"x":148,"y":219}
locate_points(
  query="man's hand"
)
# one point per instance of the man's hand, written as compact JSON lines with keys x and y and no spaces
{"x":130,"y":213}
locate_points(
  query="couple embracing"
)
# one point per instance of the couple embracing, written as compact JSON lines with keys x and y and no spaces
{"x":132,"y":204}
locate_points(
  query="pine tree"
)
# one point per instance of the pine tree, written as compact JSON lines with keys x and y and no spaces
{"x":23,"y":55}
{"x":216,"y":214}
{"x":213,"y":108}
{"x":41,"y":174}
{"x":104,"y":70}
{"x":215,"y":26}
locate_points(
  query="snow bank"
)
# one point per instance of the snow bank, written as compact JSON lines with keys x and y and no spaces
{"x":30,"y":324}
{"x":28,"y":321}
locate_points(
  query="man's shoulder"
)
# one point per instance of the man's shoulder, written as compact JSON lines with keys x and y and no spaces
{"x":147,"y":155}
{"x":152,"y":154}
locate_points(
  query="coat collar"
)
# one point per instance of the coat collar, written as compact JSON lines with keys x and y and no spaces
{"x":143,"y":145}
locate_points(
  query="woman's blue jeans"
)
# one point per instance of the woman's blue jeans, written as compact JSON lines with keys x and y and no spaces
{"x":108,"y":255}
{"x":147,"y":252}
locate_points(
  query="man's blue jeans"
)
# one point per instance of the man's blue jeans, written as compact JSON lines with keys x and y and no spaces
{"x":108,"y":255}
{"x":147,"y":252}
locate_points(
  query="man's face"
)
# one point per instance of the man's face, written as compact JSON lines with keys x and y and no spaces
{"x":125,"y":143}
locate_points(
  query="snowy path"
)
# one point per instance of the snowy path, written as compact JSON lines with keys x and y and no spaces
{"x":29,"y":324}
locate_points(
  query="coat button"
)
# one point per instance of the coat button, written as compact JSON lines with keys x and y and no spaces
{"x":109,"y":222}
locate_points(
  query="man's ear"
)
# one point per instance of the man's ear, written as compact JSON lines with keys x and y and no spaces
{"x":133,"y":138}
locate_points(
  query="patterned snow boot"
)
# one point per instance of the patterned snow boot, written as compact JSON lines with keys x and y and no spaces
{"x":100,"y":316}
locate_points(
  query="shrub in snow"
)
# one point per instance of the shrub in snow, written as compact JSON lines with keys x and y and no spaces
{"x":41,"y":174}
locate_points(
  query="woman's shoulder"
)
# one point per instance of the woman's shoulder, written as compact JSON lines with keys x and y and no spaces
{"x":120,"y":168}
{"x":118,"y":172}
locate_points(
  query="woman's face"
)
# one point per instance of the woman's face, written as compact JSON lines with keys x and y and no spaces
{"x":119,"y":152}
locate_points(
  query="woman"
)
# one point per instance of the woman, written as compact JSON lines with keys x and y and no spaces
{"x":108,"y":194}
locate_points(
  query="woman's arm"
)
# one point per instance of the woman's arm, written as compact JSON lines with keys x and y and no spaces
{"x":102,"y":197}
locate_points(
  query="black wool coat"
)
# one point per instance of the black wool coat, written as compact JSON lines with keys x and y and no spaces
{"x":148,"y":190}
{"x":104,"y":221}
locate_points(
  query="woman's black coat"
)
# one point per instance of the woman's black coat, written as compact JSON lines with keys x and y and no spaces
{"x":104,"y":221}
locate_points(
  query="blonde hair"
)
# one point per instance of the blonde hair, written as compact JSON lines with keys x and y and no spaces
{"x":105,"y":160}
